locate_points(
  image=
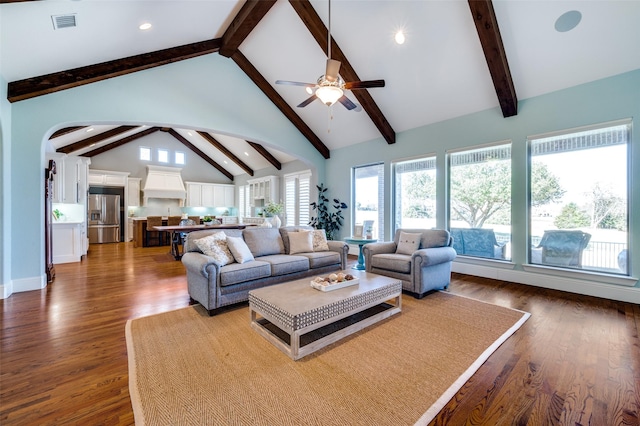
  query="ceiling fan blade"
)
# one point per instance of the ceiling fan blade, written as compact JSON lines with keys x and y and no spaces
{"x":347,"y":103}
{"x":307,"y":101}
{"x":295,"y":83}
{"x":333,"y":67}
{"x":364,"y":84}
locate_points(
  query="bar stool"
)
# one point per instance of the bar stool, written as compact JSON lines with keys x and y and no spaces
{"x":174,"y":237}
{"x":195,"y":219}
{"x":151,"y":233}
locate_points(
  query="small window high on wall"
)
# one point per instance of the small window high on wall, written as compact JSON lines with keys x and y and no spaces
{"x":578,"y":209}
{"x":480,"y":201}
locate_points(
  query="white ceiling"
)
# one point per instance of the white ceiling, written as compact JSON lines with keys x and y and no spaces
{"x":439,"y":73}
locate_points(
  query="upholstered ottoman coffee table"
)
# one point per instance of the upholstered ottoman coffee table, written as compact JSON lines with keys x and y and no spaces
{"x":300,"y":320}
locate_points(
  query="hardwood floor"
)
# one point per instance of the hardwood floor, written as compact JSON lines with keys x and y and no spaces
{"x":576,"y":361}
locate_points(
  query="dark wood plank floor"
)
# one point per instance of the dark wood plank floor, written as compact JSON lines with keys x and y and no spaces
{"x":576,"y":361}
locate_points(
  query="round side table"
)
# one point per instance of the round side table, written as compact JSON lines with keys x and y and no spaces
{"x":360,"y":242}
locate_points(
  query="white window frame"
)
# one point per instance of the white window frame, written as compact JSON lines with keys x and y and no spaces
{"x":163,"y":155}
{"x":180,"y":155}
{"x":145,"y":153}
{"x":297,"y":199}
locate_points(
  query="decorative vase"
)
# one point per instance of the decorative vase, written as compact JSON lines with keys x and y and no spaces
{"x":276,"y":222}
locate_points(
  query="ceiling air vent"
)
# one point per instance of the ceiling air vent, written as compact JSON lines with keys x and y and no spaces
{"x":64,"y":21}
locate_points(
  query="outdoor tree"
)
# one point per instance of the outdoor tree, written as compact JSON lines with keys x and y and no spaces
{"x":418,"y":191}
{"x":607,"y":209}
{"x":572,"y":217}
{"x":483,"y":190}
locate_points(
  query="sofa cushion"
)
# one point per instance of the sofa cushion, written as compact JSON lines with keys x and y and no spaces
{"x":282,"y":264}
{"x":320,"y":240}
{"x":321,"y":259}
{"x":300,"y":242}
{"x":215,"y":246}
{"x":263,"y":241}
{"x":408,"y":243}
{"x":239,"y":249}
{"x":392,"y":262}
{"x":284,"y":233}
{"x":235,"y":273}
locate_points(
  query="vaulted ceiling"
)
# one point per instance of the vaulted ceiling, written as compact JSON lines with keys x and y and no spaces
{"x":459,"y":57}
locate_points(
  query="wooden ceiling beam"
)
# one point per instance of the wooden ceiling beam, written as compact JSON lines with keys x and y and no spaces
{"x":484,"y":17}
{"x":50,"y":83}
{"x":266,"y":154}
{"x":65,"y":131}
{"x":319,"y":31}
{"x":121,"y":142}
{"x":213,"y":141}
{"x":201,"y":154}
{"x":84,"y":143}
{"x":243,"y":23}
{"x":279,"y":102}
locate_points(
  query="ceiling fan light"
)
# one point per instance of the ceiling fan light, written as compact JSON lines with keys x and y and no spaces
{"x":329,"y":94}
{"x":309,"y":90}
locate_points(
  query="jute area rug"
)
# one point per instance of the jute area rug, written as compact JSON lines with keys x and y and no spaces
{"x":186,"y":368}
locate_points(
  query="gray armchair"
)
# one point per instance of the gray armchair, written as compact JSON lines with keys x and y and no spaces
{"x":425,"y":269}
{"x":563,"y":248}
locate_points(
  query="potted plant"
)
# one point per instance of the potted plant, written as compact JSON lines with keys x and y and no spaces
{"x":329,"y":221}
{"x":207,"y":220}
{"x":273,"y":210}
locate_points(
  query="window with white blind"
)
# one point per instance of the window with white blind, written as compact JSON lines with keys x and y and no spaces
{"x":480,"y":201}
{"x":297,"y":198}
{"x":244,"y":204}
{"x":578,"y":210}
{"x":368,"y":198}
{"x":415,"y":193}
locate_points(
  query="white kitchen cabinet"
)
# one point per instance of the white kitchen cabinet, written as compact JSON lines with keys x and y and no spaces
{"x":68,"y":242}
{"x":133,"y":192}
{"x":70,"y":180}
{"x":107,"y":178}
{"x":200,"y":194}
{"x":263,"y":190}
{"x":129,"y":236}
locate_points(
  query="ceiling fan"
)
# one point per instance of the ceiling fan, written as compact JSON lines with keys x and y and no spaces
{"x":330,"y":87}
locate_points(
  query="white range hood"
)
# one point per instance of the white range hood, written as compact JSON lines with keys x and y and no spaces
{"x":165,"y":183}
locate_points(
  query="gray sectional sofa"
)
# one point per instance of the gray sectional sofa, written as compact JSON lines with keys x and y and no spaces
{"x":214,"y":285}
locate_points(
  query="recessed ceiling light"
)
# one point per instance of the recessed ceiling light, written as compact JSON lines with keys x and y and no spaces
{"x":568,"y":21}
{"x":93,"y":144}
{"x":246,"y":153}
{"x":145,"y":26}
{"x":399,"y":37}
{"x":90,"y":129}
{"x":189,"y":133}
{"x":225,"y":162}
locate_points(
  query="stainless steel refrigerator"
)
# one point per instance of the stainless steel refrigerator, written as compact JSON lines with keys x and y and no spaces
{"x":104,"y":218}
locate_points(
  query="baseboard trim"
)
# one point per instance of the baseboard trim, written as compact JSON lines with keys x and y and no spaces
{"x":588,"y":288}
{"x":24,"y":284}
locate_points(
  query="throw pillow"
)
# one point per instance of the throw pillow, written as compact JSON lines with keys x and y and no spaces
{"x":300,"y":242}
{"x":320,"y":240}
{"x":215,"y":245}
{"x":408,"y":243}
{"x":239,"y":249}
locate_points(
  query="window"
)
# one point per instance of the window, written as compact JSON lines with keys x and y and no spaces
{"x":179,"y":157}
{"x":297,"y":198}
{"x":163,"y":156}
{"x":145,"y":153}
{"x":480,"y":201}
{"x":368,"y":198}
{"x":415,"y":193}
{"x":244,"y":204}
{"x":578,"y":199}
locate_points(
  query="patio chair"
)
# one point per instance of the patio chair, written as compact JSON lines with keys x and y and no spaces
{"x":563,"y":248}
